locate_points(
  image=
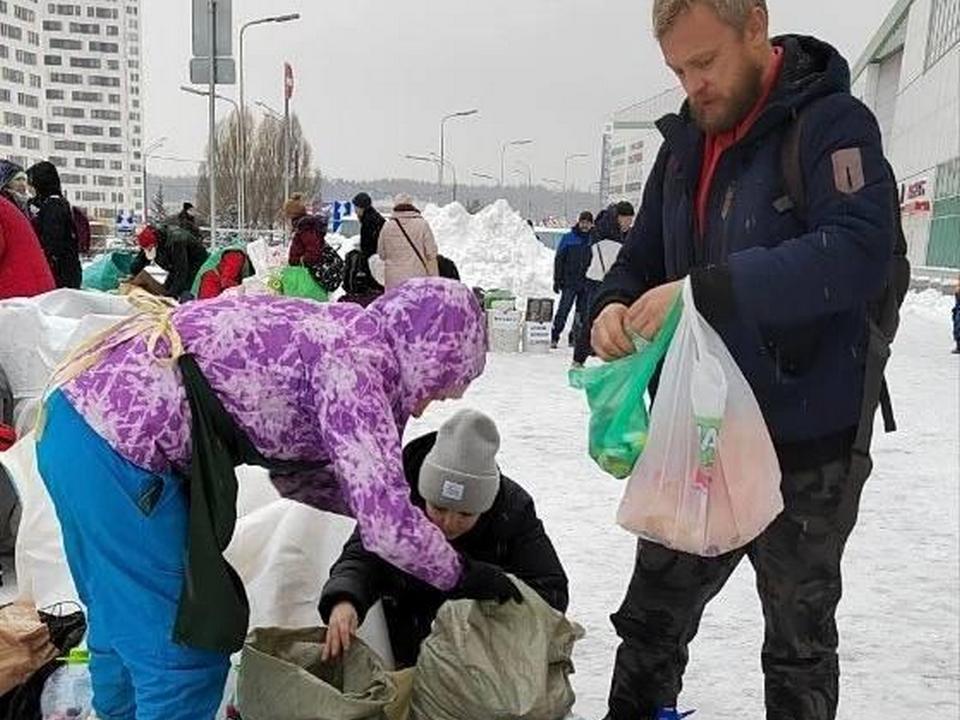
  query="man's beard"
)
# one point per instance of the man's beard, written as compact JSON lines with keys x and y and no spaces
{"x":748,"y":92}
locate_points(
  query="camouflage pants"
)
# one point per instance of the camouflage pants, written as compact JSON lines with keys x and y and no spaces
{"x":797,"y":562}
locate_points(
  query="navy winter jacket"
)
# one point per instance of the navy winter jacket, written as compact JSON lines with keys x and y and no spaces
{"x":572,"y":260}
{"x":788,"y":294}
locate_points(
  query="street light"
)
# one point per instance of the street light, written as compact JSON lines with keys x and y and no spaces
{"x":525,"y":169}
{"x":503,"y":152}
{"x":443,"y":122}
{"x":275,"y":114}
{"x":433,"y":159}
{"x":446,"y":163}
{"x":484,"y":176}
{"x":243,"y":137}
{"x":151,"y":147}
{"x":212,"y":169}
{"x":566,"y":166}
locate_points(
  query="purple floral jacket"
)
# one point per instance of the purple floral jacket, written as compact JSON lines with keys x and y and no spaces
{"x":334,"y":384}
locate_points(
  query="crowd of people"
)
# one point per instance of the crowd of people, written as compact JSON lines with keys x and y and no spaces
{"x":180,"y":395}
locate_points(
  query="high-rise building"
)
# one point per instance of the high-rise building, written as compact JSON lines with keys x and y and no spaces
{"x":21,"y":95}
{"x":70,"y":92}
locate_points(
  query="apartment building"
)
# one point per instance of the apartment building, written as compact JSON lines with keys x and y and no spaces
{"x":70,"y":92}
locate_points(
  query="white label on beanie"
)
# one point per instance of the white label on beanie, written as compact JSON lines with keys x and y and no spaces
{"x":452,"y":491}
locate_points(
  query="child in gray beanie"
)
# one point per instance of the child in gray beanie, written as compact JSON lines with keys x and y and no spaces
{"x":487,"y":517}
{"x":460,"y":474}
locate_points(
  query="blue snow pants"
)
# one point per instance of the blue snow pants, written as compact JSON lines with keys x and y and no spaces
{"x":125,"y":535}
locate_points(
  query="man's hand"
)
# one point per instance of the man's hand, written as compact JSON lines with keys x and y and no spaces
{"x":647,"y":315}
{"x":609,"y":334}
{"x":557,"y":288}
{"x":340,"y":632}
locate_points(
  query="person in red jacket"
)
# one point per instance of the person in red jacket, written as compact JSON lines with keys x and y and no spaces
{"x":309,"y":233}
{"x":24,"y":271}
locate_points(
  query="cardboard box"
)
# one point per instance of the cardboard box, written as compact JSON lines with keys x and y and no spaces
{"x":504,"y":330}
{"x":536,"y":337}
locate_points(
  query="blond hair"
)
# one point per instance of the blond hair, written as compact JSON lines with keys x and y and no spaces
{"x":733,"y":12}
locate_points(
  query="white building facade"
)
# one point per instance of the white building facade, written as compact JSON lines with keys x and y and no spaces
{"x":70,"y":92}
{"x":910,"y":77}
{"x":631,"y":142}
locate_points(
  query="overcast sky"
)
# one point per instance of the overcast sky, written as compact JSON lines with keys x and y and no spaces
{"x":374,"y":77}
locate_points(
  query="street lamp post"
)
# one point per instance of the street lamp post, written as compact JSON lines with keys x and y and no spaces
{"x":503,"y":153}
{"x":443,"y":122}
{"x":526,"y":169}
{"x":155,"y":145}
{"x":243,"y":137}
{"x":566,"y":166}
{"x":212,"y":169}
{"x":453,"y":168}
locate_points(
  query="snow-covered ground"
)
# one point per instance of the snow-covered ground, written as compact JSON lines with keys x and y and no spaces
{"x":900,"y":616}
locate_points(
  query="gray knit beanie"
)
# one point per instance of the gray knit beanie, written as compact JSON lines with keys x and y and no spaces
{"x":460,"y":473}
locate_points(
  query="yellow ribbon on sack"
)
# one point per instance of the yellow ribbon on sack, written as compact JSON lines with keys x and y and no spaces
{"x":153,"y":319}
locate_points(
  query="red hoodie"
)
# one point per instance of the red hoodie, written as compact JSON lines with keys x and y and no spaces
{"x":24,"y":271}
{"x":716,"y":145}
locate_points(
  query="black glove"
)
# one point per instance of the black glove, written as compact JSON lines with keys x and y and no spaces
{"x":557,"y":289}
{"x":483,"y":581}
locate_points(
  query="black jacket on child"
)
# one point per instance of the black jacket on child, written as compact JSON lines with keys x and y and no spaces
{"x":509,"y":535}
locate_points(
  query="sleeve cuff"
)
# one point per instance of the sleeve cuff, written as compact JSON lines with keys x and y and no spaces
{"x":713,"y":293}
{"x":328,"y":601}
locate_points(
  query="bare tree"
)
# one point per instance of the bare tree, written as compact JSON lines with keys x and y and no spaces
{"x":264,"y":187}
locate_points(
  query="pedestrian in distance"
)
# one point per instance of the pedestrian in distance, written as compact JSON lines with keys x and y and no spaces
{"x":570,"y":276}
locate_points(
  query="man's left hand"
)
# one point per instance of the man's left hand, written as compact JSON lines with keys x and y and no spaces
{"x":647,"y":315}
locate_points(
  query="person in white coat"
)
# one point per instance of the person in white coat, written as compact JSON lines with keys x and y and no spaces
{"x":609,"y":233}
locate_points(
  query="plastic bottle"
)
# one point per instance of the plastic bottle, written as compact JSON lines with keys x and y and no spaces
{"x":708,"y":394}
{"x":68,"y":693}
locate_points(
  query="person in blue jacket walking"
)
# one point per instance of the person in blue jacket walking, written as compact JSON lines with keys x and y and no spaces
{"x":570,"y":275}
{"x":786,"y":282}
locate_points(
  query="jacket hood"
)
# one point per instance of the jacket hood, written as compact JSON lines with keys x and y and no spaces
{"x":437,"y":332}
{"x":812,"y":69}
{"x":45,"y":179}
{"x":8,"y":171}
{"x":312,"y":222}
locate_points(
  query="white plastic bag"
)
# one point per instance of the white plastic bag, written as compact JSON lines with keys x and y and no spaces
{"x":708,"y":481}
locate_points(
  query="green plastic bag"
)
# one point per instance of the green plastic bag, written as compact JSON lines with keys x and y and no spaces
{"x":296,"y":281}
{"x":619,"y":416}
{"x":106,"y":272}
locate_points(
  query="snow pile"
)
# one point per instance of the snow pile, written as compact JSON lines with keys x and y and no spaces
{"x":494,"y":248}
{"x":929,"y":304}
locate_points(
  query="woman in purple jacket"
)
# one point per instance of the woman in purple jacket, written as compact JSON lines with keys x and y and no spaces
{"x":323,"y":390}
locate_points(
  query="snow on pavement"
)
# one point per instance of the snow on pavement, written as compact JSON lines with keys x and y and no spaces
{"x":900,"y":613}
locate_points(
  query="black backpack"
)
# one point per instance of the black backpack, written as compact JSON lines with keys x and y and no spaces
{"x":883,"y":313}
{"x":329,"y":272}
{"x":357,"y":278}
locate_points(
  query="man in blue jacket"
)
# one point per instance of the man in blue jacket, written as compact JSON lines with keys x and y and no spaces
{"x":787,"y":288}
{"x":570,"y":275}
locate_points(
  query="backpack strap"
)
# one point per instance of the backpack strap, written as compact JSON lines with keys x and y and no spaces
{"x":876,"y":393}
{"x":412,"y":246}
{"x":791,"y":168}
